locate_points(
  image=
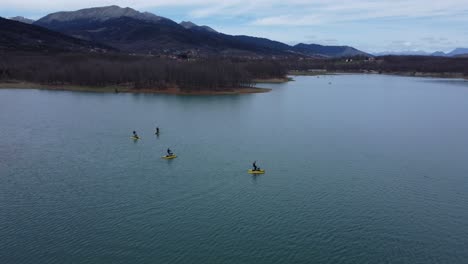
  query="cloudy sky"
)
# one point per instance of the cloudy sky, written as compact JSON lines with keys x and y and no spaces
{"x":370,"y":25}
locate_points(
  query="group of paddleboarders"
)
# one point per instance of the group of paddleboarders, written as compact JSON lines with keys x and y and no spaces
{"x":171,"y":154}
{"x":156,"y":133}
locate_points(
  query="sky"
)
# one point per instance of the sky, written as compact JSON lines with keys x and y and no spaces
{"x":369,"y":25}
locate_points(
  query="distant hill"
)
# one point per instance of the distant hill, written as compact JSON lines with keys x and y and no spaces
{"x":328,"y":51}
{"x":193,"y":26}
{"x":403,"y":53}
{"x":455,"y":52}
{"x":438,"y":54}
{"x":18,"y":36}
{"x":458,"y":51}
{"x":22,"y":19}
{"x":136,"y":32}
{"x":465,"y":55}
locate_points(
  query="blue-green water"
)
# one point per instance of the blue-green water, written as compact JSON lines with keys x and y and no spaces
{"x":360,"y":169}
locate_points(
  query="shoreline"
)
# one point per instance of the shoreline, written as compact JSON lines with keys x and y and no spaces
{"x":447,"y":75}
{"x":444,"y":75}
{"x":274,"y":80}
{"x":123,"y":89}
{"x":311,"y":73}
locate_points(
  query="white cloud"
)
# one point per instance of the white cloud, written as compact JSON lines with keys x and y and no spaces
{"x":288,"y":20}
{"x":338,"y":11}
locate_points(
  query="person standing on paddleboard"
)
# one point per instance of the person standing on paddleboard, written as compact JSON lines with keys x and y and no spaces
{"x":255,"y":166}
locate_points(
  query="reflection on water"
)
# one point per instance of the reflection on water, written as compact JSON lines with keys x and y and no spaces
{"x":457,"y":82}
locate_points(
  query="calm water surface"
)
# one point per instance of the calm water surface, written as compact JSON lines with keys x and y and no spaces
{"x":360,"y":169}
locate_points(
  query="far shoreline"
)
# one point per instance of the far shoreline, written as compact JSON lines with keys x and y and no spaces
{"x":446,"y":75}
{"x":124,"y":89}
{"x":274,"y":80}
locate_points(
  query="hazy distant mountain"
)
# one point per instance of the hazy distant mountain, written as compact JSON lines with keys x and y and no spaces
{"x":328,"y":51}
{"x":18,"y":36}
{"x":455,"y":52}
{"x":458,"y":51}
{"x":22,"y":19}
{"x":439,"y":54}
{"x":132,"y":31}
{"x":403,"y":53}
{"x":193,"y":26}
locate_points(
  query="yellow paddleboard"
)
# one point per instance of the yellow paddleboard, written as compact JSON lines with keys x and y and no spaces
{"x":135,"y":138}
{"x":169,"y":157}
{"x":256,"y":172}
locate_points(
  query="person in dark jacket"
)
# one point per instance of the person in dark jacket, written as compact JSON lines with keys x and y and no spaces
{"x":255,"y":168}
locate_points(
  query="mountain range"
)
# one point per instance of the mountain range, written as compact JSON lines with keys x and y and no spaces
{"x":18,"y":36}
{"x":131,"y":31}
{"x":454,"y":53}
{"x":22,"y":19}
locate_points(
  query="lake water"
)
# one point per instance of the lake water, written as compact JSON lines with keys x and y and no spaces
{"x":359,"y":169}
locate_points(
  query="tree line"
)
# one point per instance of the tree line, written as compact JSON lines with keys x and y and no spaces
{"x":137,"y":72}
{"x":385,"y":64}
{"x":213,"y":73}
